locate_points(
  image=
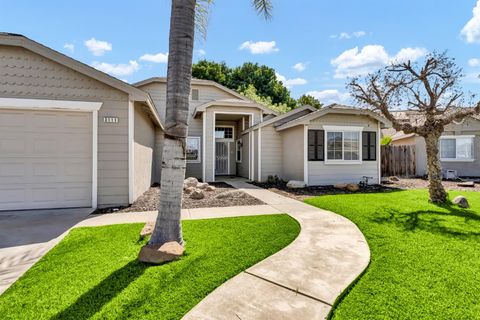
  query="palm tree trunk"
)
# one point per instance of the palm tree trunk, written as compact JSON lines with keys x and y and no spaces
{"x":435,"y":187}
{"x":182,"y":32}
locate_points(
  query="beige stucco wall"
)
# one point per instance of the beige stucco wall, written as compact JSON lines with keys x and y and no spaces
{"x":25,"y":74}
{"x":320,"y":173}
{"x":144,"y":145}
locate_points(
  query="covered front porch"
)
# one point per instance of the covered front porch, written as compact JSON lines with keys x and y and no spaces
{"x":227,"y":150}
{"x":231,"y":151}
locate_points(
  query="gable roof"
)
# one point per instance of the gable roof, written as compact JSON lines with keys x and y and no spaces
{"x":333,"y":108}
{"x":282,"y":117}
{"x":418,"y":118}
{"x":238,"y":101}
{"x":196,"y":82}
{"x":18,"y":40}
{"x":231,"y":103}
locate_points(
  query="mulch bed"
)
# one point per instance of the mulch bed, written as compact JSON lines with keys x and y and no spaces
{"x":402,"y":184}
{"x":150,"y":200}
{"x":308,"y":192}
{"x":417,"y":183}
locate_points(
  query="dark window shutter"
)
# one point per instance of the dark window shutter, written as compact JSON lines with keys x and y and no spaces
{"x":369,"y":146}
{"x":320,"y":145}
{"x":315,"y":145}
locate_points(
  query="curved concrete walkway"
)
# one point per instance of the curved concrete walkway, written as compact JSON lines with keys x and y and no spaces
{"x":301,"y":281}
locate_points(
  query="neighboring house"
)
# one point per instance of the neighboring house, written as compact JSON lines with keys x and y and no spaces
{"x":459,"y":145}
{"x":72,"y":136}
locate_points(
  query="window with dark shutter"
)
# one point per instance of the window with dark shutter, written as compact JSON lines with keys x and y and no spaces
{"x":369,"y":146}
{"x":315,"y":145}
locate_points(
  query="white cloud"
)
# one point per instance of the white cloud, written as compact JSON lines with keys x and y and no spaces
{"x":290,"y":82}
{"x":97,"y":47}
{"x":69,"y":46}
{"x":201,"y":52}
{"x":260,"y":47}
{"x":346,"y":35}
{"x":411,"y":54}
{"x":330,"y":96}
{"x":155,"y":58}
{"x":474,"y":62}
{"x":471,"y":30}
{"x":355,"y":62}
{"x":119,"y":70}
{"x":301,"y":66}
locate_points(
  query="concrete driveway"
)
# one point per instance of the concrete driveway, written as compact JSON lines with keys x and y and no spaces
{"x":25,"y":236}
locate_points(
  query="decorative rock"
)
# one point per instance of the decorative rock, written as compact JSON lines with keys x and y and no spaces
{"x":393,"y":178}
{"x":468,"y":184}
{"x":197,"y":194}
{"x":190,"y":182}
{"x":352,"y":187}
{"x":202,"y":185}
{"x":189,"y":190}
{"x":147,"y":229}
{"x":294,"y":184}
{"x":210,"y":188}
{"x":231,"y":194}
{"x":461,"y":201}
{"x":157,"y":254}
{"x":340,"y":186}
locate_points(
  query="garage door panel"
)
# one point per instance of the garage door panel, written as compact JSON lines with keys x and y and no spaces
{"x":12,"y":196}
{"x":47,"y":163}
{"x":12,"y":119}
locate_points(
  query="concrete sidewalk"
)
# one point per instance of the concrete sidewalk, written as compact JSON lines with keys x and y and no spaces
{"x":301,"y":281}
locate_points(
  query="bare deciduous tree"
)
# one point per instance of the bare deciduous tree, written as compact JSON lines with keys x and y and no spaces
{"x":432,"y":90}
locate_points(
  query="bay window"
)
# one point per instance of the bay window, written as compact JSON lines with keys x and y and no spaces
{"x":456,"y":148}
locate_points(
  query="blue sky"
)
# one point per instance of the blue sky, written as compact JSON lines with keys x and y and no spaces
{"x":327,"y":40}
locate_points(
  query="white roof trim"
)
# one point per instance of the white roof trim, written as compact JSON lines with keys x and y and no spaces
{"x":231,"y":103}
{"x":282,"y":116}
{"x":331,"y":109}
{"x":44,"y":104}
{"x":196,"y":82}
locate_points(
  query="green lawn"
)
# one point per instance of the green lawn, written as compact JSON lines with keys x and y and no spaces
{"x":425,"y":258}
{"x":93,"y":272}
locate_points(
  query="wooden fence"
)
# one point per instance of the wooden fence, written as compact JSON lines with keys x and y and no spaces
{"x":398,"y":161}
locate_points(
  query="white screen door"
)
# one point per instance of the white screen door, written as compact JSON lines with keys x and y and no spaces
{"x":221,"y":158}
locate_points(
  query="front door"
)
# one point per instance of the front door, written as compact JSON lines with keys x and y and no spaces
{"x":221,"y":158}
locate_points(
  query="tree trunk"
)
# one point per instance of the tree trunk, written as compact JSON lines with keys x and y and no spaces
{"x":181,"y":40}
{"x":435,"y":187}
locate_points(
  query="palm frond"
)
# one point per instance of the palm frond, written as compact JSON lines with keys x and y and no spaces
{"x":263,"y":7}
{"x":202,"y":15}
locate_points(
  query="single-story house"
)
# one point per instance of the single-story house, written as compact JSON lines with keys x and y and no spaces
{"x":459,"y":145}
{"x":72,"y":136}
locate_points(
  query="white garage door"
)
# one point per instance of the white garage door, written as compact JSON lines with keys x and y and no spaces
{"x":45,"y":159}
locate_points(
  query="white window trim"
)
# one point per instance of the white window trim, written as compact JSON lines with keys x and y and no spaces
{"x":343,"y":129}
{"x":238,"y":148}
{"x":472,"y":137}
{"x":199,"y":160}
{"x":225,"y":139}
